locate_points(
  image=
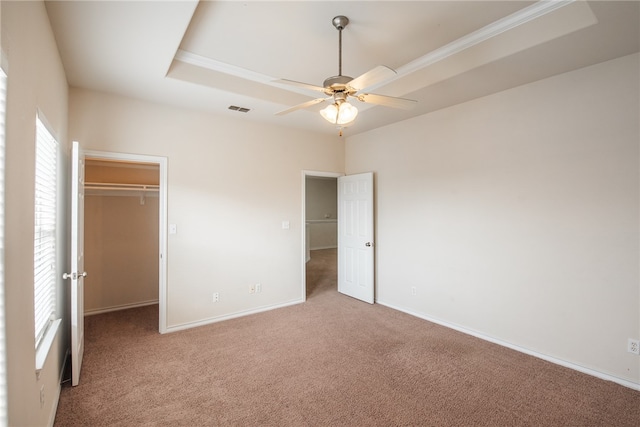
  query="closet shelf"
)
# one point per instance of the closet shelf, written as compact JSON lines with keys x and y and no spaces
{"x":121,"y":187}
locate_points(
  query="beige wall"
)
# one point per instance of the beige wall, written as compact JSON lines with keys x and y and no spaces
{"x":323,"y":234}
{"x":322,"y":198}
{"x":322,"y":212}
{"x":231,"y":183}
{"x":516,"y":216}
{"x":36,"y":80}
{"x":121,"y":251}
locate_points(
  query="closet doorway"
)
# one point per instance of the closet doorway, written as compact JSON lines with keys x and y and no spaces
{"x":124,"y":232}
{"x":321,"y":233}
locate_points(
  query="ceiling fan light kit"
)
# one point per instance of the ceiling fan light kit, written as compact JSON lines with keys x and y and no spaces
{"x":339,"y":114}
{"x":340,"y":87}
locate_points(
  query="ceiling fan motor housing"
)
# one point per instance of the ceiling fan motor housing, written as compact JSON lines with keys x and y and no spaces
{"x":336,"y":84}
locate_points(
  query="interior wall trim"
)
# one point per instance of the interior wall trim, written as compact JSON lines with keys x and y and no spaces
{"x":119,"y":307}
{"x":554,"y":360}
{"x":189,"y":325}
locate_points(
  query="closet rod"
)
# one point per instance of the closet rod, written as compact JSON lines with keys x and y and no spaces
{"x":121,"y":187}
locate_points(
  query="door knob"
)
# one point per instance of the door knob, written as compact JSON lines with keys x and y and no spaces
{"x":73,"y":276}
{"x":368,"y":244}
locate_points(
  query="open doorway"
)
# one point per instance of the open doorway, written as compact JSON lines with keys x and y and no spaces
{"x":124,"y":229}
{"x":120,"y":234}
{"x":321,"y":233}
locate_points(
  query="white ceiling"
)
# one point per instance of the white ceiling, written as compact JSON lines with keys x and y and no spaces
{"x":209,"y":55}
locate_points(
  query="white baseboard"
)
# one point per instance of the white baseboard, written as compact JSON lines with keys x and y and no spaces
{"x":54,"y":408}
{"x":119,"y":307}
{"x":56,"y":397}
{"x":217,"y":319}
{"x":566,"y":364}
{"x":317,"y":248}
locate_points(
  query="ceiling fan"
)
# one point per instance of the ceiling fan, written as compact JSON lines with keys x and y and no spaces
{"x":341,"y":88}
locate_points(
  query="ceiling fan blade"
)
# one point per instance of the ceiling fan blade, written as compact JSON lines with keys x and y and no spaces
{"x":302,"y":85}
{"x":301,"y":106}
{"x":387,"y":101}
{"x":372,"y":77}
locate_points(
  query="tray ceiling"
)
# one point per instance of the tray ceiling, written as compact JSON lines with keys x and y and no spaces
{"x":210,"y":55}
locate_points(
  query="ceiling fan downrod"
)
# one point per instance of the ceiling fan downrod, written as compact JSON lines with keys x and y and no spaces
{"x":340,"y":22}
{"x":337,"y":83}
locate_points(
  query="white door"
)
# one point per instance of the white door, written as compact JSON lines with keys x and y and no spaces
{"x":77,"y":261}
{"x":355,"y":236}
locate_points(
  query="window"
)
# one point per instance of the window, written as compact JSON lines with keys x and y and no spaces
{"x":3,"y":348}
{"x":45,"y":230}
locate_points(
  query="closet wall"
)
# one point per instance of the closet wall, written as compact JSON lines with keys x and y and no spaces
{"x":121,"y":235}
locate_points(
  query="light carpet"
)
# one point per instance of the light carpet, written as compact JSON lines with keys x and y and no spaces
{"x":331,"y":361}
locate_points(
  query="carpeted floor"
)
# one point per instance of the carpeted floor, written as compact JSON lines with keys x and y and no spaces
{"x":332,"y":361}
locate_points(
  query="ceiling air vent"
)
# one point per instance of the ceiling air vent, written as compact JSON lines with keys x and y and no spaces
{"x":240,"y":109}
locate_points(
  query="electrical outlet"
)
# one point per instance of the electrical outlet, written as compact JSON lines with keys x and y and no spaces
{"x":414,"y":291}
{"x":252,"y":289}
{"x":216,"y":297}
{"x":42,"y":396}
{"x":258,"y":288}
{"x":633,"y":346}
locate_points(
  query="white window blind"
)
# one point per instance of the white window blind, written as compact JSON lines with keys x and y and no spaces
{"x":45,"y":230}
{"x":3,"y":348}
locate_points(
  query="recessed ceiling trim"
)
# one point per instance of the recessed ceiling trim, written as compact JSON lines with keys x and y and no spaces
{"x":485,"y":33}
{"x":232,"y":70}
{"x":212,"y":64}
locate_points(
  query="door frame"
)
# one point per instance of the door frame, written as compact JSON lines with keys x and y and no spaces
{"x":305,"y":174}
{"x":162,"y":221}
